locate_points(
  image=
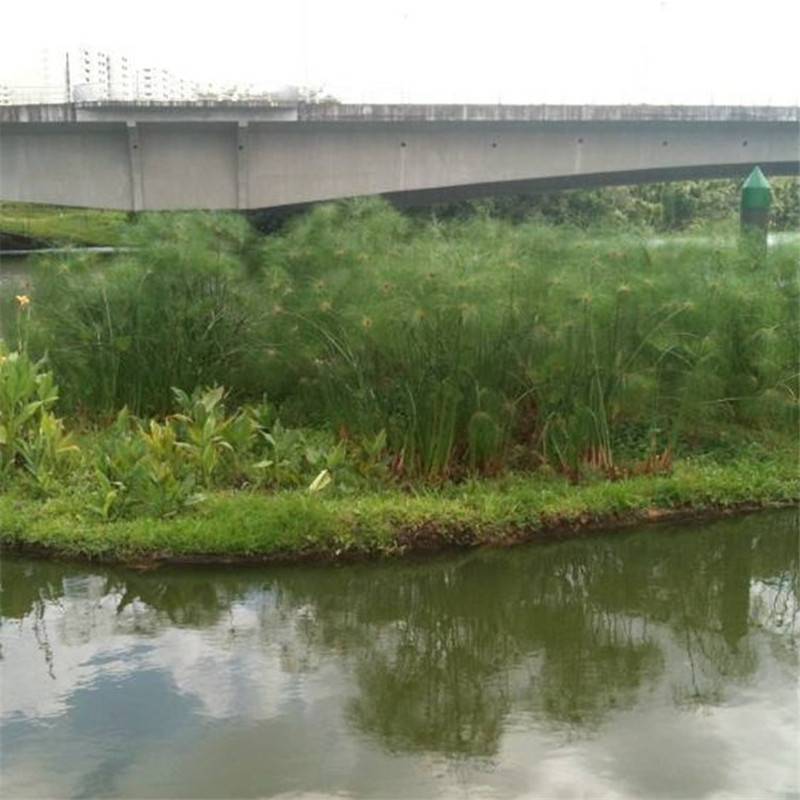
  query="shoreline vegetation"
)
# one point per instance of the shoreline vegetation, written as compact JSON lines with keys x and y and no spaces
{"x":244,"y":527}
{"x":366,"y":382}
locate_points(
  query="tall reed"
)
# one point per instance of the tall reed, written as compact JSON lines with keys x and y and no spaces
{"x":476,"y":342}
{"x":472,"y":344}
{"x":170,"y":311}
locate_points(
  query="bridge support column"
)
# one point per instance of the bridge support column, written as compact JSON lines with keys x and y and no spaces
{"x":135,"y":158}
{"x":242,"y":157}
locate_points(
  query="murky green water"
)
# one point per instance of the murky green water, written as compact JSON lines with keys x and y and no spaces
{"x":654,"y":664}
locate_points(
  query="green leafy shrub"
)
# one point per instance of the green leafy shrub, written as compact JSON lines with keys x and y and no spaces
{"x":31,"y":437}
{"x":292,"y":458}
{"x":157,"y":468}
{"x":208,"y":435}
{"x":140,"y":469}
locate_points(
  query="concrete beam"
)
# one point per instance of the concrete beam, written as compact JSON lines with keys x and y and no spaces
{"x":544,"y":113}
{"x":175,"y":160}
{"x":202,"y":111}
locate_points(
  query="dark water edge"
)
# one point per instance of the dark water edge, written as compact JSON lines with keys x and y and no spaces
{"x":652,"y":663}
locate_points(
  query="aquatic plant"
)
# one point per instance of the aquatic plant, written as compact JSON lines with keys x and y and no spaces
{"x":488,"y":341}
{"x":165,"y":313}
{"x":470,"y":345}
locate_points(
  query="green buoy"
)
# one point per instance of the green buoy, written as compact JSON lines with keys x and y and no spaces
{"x":756,"y":202}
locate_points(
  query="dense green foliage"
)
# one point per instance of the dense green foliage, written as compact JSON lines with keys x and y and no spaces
{"x":172,"y":312}
{"x":31,"y":436}
{"x":658,"y":206}
{"x":463,"y":346}
{"x":375,"y":364}
{"x":479,"y":342}
{"x":156,"y":468}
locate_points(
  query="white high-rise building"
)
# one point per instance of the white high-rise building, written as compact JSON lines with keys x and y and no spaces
{"x":122,"y":77}
{"x":88,"y":74}
{"x":156,"y":83}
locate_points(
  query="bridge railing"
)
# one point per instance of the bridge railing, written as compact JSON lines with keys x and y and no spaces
{"x":32,"y":95}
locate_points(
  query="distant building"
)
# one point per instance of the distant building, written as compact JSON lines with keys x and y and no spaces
{"x":88,"y":74}
{"x":122,"y":78}
{"x":156,"y":83}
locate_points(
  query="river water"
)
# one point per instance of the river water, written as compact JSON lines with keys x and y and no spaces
{"x":660,"y":663}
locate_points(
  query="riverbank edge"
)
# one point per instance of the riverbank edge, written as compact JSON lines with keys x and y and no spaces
{"x":240,"y":527}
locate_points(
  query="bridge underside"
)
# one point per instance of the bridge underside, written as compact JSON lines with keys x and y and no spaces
{"x":149,"y":165}
{"x":448,"y":194}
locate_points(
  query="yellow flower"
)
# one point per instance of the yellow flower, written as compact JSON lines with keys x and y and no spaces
{"x":366,"y":323}
{"x":23,"y":301}
{"x":325,"y":305}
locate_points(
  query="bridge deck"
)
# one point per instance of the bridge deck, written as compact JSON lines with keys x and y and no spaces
{"x":138,"y":156}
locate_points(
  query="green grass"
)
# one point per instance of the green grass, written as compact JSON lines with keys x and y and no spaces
{"x":296,"y":524}
{"x":65,"y":226}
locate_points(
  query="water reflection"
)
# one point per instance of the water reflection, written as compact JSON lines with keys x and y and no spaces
{"x":592,"y":665}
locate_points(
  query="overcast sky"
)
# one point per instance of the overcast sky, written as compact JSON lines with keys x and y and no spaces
{"x":534,"y":51}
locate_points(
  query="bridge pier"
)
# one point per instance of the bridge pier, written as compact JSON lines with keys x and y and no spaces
{"x":135,"y":158}
{"x":242,"y":165}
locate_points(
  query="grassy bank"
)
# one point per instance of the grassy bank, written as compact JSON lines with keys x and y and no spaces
{"x":288,"y":525}
{"x":389,"y":382}
{"x":62,"y":226}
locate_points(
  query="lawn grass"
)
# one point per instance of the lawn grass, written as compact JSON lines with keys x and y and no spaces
{"x":294,"y":525}
{"x":65,"y":226}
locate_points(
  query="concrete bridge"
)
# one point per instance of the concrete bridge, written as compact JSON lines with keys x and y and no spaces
{"x":253,"y":156}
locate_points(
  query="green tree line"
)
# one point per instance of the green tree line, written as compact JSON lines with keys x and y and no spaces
{"x":660,"y":206}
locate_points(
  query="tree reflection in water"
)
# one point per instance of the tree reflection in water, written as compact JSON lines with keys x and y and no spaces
{"x":445,"y":654}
